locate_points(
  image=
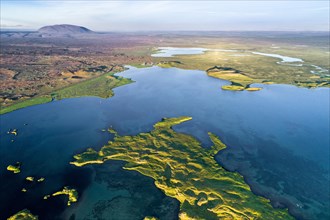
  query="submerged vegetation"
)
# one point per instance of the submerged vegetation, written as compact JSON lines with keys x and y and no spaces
{"x":23,"y":215}
{"x":184,"y":170}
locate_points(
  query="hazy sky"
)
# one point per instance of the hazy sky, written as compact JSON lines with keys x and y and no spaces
{"x":168,"y":15}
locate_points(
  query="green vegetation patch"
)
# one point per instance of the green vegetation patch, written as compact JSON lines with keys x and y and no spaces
{"x":240,"y":88}
{"x":150,"y":218}
{"x":312,"y":84}
{"x":100,"y":87}
{"x":258,"y":68}
{"x":41,"y":179}
{"x":233,"y":88}
{"x":253,"y":89}
{"x":184,"y":170}
{"x":14,"y":168}
{"x":71,"y":193}
{"x":23,"y":215}
{"x":169,"y":64}
{"x":26,"y":103}
{"x":239,"y":81}
{"x":30,"y":178}
{"x":13,"y":131}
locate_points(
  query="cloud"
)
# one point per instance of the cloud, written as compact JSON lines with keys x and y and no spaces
{"x":11,"y":26}
{"x":171,"y":15}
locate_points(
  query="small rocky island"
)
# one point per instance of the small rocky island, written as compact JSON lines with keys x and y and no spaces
{"x":14,"y":168}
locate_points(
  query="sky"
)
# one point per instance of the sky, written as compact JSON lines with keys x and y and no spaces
{"x":181,"y":15}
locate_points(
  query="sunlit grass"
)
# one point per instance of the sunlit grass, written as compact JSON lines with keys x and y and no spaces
{"x":184,"y":170}
{"x":100,"y":87}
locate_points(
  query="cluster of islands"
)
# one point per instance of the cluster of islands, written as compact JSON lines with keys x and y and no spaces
{"x":71,"y":194}
{"x":182,"y":169}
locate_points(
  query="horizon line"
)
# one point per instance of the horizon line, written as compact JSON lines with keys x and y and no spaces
{"x":132,"y":31}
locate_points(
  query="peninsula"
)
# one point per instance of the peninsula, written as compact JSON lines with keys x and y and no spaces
{"x":184,"y":170}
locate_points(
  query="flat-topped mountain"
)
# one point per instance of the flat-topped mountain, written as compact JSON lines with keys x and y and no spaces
{"x":64,"y":29}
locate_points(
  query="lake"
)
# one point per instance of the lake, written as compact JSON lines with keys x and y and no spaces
{"x":277,"y":139}
{"x":173,"y":51}
{"x":284,"y":59}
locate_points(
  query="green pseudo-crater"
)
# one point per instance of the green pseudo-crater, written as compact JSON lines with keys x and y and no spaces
{"x":184,"y":170}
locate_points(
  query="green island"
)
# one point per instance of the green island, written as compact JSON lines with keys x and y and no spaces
{"x":184,"y":170}
{"x":150,"y":218}
{"x":239,"y":81}
{"x":71,"y":193}
{"x":30,"y":178}
{"x":100,"y":86}
{"x":14,"y":168}
{"x":13,"y":131}
{"x":23,"y":215}
{"x":46,"y":197}
{"x":169,"y":64}
{"x":41,"y":179}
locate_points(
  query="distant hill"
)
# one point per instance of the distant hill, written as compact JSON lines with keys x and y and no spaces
{"x":64,"y":29}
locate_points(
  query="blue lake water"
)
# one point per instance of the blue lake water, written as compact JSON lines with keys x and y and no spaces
{"x":278,"y":139}
{"x":173,"y":51}
{"x":284,"y":59}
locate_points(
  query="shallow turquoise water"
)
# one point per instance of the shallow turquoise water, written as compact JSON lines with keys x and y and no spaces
{"x":277,"y":138}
